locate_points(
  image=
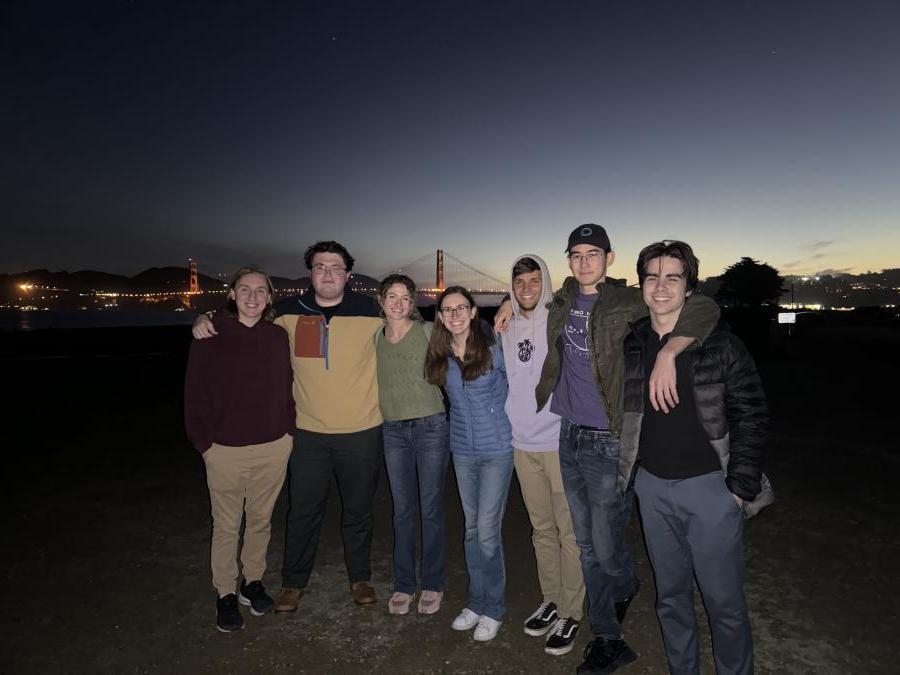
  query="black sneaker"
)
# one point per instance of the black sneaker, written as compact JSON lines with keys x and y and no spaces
{"x":542,"y":620}
{"x":562,"y":637}
{"x":254,"y":595}
{"x":228,"y":616}
{"x":605,"y":656}
{"x":623,"y":605}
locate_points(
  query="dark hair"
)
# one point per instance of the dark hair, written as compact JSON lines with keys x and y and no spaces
{"x":230,"y":308}
{"x":524,"y":266}
{"x":328,"y":247}
{"x":671,"y":249}
{"x":477,"y":359}
{"x":392,"y":279}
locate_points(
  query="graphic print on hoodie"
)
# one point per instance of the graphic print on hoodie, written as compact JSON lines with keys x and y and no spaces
{"x":524,"y":350}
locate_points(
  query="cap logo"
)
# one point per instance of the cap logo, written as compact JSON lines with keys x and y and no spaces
{"x":586,"y":231}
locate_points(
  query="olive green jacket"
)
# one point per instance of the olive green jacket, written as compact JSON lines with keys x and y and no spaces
{"x":617,"y":306}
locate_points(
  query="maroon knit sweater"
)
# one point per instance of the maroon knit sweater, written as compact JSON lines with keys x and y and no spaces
{"x":237,"y":389}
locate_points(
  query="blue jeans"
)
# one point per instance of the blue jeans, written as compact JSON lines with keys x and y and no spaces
{"x":483,"y":482}
{"x":589,"y":462}
{"x":416,"y":453}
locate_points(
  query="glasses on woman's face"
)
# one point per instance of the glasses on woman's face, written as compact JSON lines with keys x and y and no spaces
{"x":459,"y":309}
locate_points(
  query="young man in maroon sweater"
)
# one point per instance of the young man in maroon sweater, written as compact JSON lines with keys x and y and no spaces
{"x":239,"y":413}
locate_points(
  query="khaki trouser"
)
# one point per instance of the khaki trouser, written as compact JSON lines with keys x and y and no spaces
{"x":555,"y":548}
{"x":243,"y":480}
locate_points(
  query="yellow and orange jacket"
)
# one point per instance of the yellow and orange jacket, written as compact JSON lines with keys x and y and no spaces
{"x":335,"y":385}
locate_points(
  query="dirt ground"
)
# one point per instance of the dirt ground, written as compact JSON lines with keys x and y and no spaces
{"x":107,"y":559}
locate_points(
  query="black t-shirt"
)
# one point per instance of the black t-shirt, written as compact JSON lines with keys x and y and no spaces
{"x":674,"y":445}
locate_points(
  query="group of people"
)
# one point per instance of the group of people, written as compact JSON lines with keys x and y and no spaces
{"x":592,"y":394}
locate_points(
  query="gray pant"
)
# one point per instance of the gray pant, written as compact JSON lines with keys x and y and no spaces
{"x":693,"y":528}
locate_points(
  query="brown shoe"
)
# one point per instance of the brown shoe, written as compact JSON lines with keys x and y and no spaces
{"x":288,"y":599}
{"x":362,"y":592}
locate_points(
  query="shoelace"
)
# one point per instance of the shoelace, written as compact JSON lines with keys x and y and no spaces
{"x":587,"y":650}
{"x":561,"y":627}
{"x":541,"y":611}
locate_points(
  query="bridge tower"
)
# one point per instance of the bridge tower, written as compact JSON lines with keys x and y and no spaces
{"x":194,"y":283}
{"x":439,"y":270}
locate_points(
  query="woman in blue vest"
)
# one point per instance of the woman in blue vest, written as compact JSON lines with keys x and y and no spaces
{"x":466,"y":360}
{"x":415,"y":445}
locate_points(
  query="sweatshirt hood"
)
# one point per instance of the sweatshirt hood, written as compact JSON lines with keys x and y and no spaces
{"x":524,"y":351}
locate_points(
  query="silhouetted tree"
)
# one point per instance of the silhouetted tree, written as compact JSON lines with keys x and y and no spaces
{"x":749,"y":283}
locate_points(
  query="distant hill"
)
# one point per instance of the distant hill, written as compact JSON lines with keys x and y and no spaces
{"x":154,"y":279}
{"x":150,"y":280}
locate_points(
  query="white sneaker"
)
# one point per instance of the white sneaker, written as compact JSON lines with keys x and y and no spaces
{"x":467,"y":619}
{"x":486,"y":629}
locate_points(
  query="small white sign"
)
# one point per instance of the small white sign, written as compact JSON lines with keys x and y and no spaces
{"x":787,"y":317}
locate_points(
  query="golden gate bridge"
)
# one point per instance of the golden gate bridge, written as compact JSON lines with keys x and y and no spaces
{"x":433,"y":272}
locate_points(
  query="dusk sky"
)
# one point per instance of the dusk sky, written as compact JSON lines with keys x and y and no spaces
{"x":140,"y":133}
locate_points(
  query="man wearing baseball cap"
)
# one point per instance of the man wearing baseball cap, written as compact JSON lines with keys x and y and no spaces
{"x":588,"y":320}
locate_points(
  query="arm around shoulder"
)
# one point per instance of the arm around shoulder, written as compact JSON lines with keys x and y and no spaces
{"x":698,"y":318}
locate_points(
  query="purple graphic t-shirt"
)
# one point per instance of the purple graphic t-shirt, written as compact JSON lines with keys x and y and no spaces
{"x":576,"y":397}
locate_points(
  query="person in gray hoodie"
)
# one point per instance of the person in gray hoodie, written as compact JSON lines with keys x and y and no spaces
{"x":536,"y":443}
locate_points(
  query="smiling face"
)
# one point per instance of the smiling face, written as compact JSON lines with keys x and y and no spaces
{"x":397,"y":302}
{"x":664,"y":288}
{"x":588,"y":264}
{"x":251,"y":295}
{"x":527,"y":289}
{"x":457,"y":314}
{"x":328,"y":276}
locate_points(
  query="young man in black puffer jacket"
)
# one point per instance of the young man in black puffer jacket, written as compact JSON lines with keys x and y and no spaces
{"x":698,"y":467}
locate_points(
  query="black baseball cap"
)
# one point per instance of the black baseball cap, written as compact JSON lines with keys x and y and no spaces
{"x":591,"y":234}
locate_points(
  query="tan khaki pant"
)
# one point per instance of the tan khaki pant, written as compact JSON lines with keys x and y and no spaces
{"x":243,"y":480}
{"x":555,"y":548}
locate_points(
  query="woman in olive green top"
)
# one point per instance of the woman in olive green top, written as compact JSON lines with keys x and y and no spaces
{"x":415,"y":445}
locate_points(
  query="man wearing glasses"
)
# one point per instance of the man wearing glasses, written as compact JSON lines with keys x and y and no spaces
{"x":338,"y":432}
{"x":583,"y":370}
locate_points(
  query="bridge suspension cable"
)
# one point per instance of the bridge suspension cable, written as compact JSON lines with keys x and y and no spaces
{"x":426,"y":272}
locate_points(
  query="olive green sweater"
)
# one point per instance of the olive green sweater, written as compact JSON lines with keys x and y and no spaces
{"x":403,"y":393}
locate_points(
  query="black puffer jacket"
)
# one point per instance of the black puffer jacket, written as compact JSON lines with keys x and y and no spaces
{"x":731,"y":405}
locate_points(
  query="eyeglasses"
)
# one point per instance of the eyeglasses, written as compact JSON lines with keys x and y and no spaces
{"x":590,"y":257}
{"x":459,"y":309}
{"x":332,"y":270}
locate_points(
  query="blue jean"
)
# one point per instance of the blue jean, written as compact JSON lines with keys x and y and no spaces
{"x":589,"y":461}
{"x":483,"y":482}
{"x":416,"y":453}
{"x":693,"y":530}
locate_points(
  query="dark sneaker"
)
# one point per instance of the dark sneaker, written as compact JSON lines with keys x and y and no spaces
{"x":228,"y":616}
{"x":542,"y":620}
{"x":605,"y":656}
{"x":255,"y":596}
{"x":562,"y":637}
{"x":623,"y":605}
